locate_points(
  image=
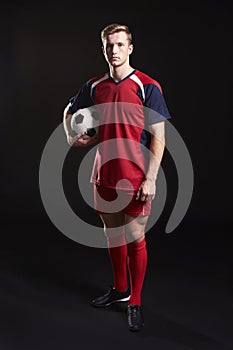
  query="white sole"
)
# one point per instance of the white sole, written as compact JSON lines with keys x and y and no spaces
{"x":118,"y":301}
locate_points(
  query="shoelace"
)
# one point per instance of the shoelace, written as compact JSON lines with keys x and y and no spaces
{"x":108,"y":292}
{"x":133,"y":312}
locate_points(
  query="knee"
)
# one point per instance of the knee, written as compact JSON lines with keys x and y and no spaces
{"x":135,"y":236}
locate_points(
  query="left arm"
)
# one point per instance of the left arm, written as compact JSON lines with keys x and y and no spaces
{"x":147,"y":189}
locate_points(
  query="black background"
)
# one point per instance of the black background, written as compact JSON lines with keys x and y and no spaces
{"x":47,"y":51}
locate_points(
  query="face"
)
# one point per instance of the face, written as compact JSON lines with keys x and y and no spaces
{"x":116,"y":49}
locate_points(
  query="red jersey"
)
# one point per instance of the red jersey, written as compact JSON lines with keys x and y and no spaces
{"x":125,"y":110}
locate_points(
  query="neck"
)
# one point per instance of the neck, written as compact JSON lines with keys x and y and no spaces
{"x":119,"y":73}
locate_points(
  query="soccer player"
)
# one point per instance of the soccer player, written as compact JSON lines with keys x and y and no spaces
{"x":132,"y":112}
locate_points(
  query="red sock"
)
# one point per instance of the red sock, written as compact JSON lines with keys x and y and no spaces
{"x":118,"y":256}
{"x":137,"y":262}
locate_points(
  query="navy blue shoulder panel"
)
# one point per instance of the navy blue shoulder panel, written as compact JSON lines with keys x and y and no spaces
{"x":156,"y":109}
{"x":82,"y":99}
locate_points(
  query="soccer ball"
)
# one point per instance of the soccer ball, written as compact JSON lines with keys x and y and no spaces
{"x":85,"y":120}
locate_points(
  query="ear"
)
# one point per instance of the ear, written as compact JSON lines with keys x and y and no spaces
{"x":103,"y":50}
{"x":131,"y":49}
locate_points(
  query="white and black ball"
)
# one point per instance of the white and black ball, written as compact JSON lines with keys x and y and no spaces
{"x":85,"y":120}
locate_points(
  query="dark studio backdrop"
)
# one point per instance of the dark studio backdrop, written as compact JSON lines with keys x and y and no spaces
{"x":47,"y":51}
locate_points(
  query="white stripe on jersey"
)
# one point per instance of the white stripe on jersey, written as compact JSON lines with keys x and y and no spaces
{"x":138,"y":81}
{"x":98,"y":81}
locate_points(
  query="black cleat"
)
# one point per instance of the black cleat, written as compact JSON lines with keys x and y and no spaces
{"x":135,"y":318}
{"x":112,"y":296}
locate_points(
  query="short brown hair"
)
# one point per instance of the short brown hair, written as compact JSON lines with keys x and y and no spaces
{"x":115,"y":28}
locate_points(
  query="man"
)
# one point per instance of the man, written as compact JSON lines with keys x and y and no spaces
{"x":132,"y":111}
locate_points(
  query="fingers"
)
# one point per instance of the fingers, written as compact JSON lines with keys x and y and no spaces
{"x":77,"y":141}
{"x":80,"y":142}
{"x":144,"y":196}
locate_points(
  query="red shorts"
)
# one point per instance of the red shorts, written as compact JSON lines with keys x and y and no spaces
{"x":126,"y":202}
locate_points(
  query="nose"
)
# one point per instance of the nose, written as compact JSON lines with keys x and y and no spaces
{"x":114,"y":49}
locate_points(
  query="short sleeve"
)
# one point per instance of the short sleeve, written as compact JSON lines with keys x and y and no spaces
{"x":82,"y":99}
{"x":156,"y":109}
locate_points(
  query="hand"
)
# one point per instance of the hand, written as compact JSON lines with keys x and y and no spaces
{"x":80,"y":141}
{"x":146,"y":191}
